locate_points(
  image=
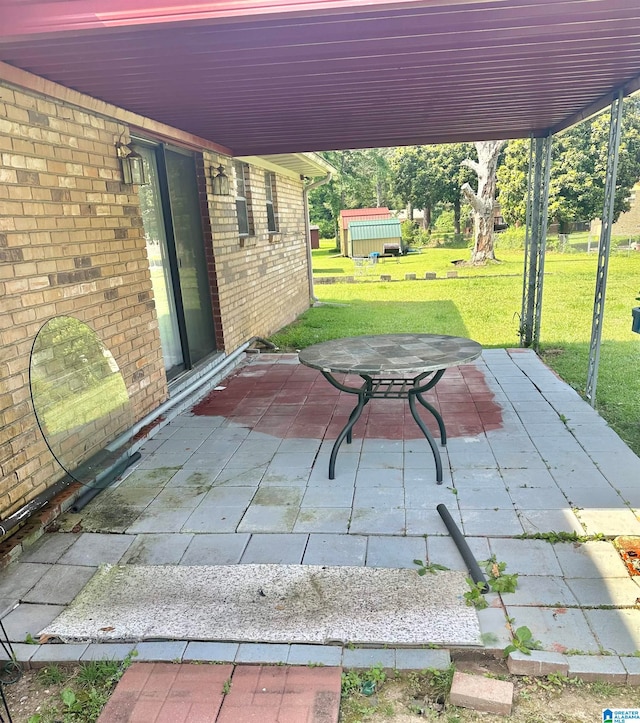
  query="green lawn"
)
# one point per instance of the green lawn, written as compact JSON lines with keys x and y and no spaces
{"x":484,"y":304}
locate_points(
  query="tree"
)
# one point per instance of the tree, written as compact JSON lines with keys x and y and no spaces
{"x":363,"y":180}
{"x":450,"y":174}
{"x":482,"y":202}
{"x":414,"y":178}
{"x":578,"y":169}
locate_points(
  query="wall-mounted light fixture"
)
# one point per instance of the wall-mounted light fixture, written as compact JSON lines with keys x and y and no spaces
{"x":132,"y":165}
{"x":220,"y":181}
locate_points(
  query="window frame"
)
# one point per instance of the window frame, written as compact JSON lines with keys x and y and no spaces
{"x":242,"y":202}
{"x":271,"y":202}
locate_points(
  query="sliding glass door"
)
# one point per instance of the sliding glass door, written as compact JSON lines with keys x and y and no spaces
{"x":175,"y":247}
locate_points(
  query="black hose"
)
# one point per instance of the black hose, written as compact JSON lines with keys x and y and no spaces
{"x":471,"y":562}
{"x":23,"y":514}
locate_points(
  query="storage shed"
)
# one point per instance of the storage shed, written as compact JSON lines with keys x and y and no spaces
{"x":382,"y":237}
{"x":347,"y":216}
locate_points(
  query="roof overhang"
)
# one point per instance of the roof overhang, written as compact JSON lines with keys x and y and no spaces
{"x":266,"y":77}
{"x":295,"y":165}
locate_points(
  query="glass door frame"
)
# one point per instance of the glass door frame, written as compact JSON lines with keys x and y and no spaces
{"x":159,"y":148}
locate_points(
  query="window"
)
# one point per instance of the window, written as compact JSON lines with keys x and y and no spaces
{"x":242,"y":207}
{"x":272,"y":210}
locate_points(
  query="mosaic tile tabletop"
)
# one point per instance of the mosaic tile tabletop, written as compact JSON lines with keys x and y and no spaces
{"x":402,"y":354}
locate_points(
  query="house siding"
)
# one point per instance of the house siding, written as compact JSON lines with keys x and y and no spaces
{"x":72,"y":243}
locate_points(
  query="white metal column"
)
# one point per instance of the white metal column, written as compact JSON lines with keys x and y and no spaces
{"x":615,"y":127}
{"x":535,"y":240}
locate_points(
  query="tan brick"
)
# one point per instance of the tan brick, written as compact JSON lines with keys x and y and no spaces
{"x":19,"y":286}
{"x":487,"y":695}
{"x":8,"y":175}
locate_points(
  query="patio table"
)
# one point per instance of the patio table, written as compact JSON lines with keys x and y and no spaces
{"x":392,"y":366}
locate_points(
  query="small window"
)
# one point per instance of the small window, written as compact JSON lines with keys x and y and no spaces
{"x":272,"y":211}
{"x":242,"y":208}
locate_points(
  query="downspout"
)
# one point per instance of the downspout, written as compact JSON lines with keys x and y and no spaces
{"x":38,"y":502}
{"x":307,"y":229}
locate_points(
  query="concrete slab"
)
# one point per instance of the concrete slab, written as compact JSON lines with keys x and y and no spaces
{"x":323,"y":519}
{"x":596,"y":559}
{"x":275,"y":549}
{"x":610,"y":591}
{"x":526,"y":557}
{"x":534,"y":466}
{"x":157,"y":549}
{"x":617,"y":631}
{"x":326,"y":549}
{"x":28,"y":619}
{"x":19,"y":578}
{"x":198,"y":651}
{"x":590,"y":668}
{"x":215,"y":549}
{"x":49,"y":548}
{"x":271,"y":604}
{"x":314,"y":655}
{"x":92,"y":549}
{"x":558,"y":629}
{"x":59,"y":585}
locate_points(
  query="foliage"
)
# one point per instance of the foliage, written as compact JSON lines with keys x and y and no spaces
{"x":562,"y":536}
{"x":522,"y":641}
{"x":579,"y":162}
{"x":511,"y":238}
{"x":475,"y":595}
{"x":431,"y":567}
{"x":357,"y":689}
{"x":85,"y":693}
{"x":51,"y":675}
{"x":424,"y":176}
{"x":363,"y":180}
{"x":445,"y":222}
{"x":497,"y":579}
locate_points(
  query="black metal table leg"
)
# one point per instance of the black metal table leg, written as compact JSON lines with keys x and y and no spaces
{"x":428,"y":435}
{"x":391,"y":388}
{"x":346,"y":432}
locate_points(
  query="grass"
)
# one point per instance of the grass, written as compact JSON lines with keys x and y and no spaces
{"x":83,"y":690}
{"x":485,"y":303}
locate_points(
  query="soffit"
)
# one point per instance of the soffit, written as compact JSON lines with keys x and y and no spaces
{"x":271,"y":78}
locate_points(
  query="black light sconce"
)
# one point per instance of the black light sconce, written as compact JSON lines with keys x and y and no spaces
{"x":132,"y":165}
{"x":220,"y":181}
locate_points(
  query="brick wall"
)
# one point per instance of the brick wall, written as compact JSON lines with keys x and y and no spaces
{"x":262,"y":279}
{"x":71,"y":243}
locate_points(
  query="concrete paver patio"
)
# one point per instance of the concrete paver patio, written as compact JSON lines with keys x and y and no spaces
{"x":242,"y":478}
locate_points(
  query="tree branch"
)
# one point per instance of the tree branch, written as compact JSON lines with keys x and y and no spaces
{"x":468,"y":163}
{"x":472,"y":197}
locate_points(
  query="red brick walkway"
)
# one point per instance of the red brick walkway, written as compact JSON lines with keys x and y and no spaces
{"x":208,"y":693}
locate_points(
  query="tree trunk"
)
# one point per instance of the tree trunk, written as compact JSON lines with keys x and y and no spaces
{"x":456,"y":216}
{"x":483,"y":201}
{"x":426,"y":217}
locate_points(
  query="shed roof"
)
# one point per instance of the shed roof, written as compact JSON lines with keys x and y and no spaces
{"x":281,"y":76}
{"x":350,"y":215}
{"x":383,"y":228}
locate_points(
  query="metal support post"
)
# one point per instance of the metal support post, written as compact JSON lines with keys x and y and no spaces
{"x":615,"y":126}
{"x":535,"y":240}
